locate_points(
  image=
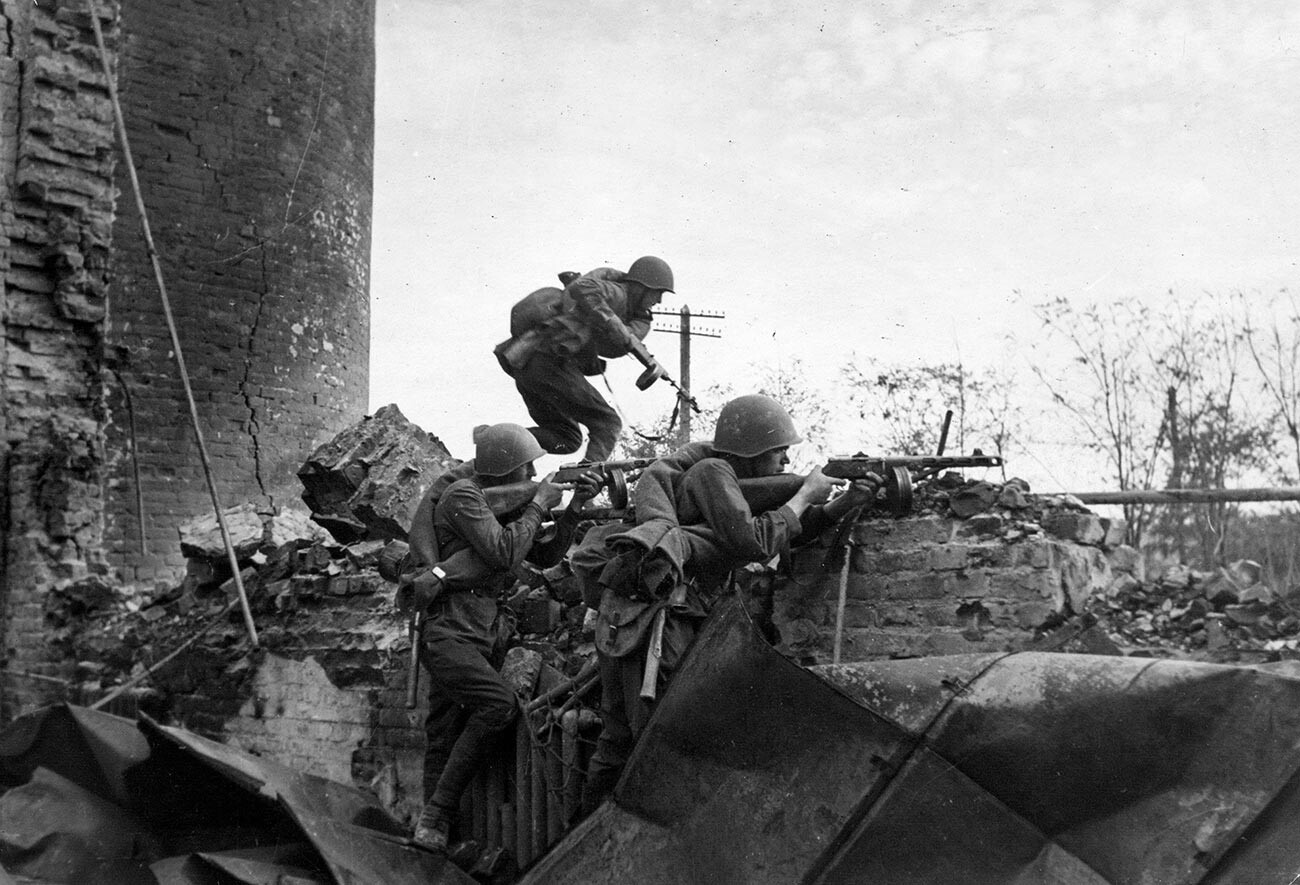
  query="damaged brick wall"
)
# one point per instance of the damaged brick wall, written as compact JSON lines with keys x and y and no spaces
{"x":56,"y":216}
{"x":251,"y":125}
{"x":988,"y":569}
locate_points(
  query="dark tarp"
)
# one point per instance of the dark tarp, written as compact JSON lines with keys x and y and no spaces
{"x":1000,"y":768}
{"x":87,"y":797}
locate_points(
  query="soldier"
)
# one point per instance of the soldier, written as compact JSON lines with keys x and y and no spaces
{"x":560,"y":337}
{"x":676,"y":562}
{"x":465,"y":628}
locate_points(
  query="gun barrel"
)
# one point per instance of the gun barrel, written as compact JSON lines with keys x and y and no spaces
{"x":858,"y":466}
{"x":609,"y":470}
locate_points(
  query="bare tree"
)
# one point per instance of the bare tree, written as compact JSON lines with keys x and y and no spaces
{"x":1274,"y":346}
{"x":1214,"y":435}
{"x":1160,"y":398}
{"x":1107,"y":387}
{"x":908,"y":403}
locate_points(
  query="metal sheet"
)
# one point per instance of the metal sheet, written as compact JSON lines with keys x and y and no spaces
{"x":1015,"y":768}
{"x":185,"y":802}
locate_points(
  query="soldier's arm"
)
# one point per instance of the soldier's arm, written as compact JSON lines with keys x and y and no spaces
{"x":499,"y":546}
{"x":713,"y":490}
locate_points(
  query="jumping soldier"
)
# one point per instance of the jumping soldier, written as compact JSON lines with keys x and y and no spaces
{"x":558,"y":337}
{"x":694,"y":528}
{"x":466,"y":629}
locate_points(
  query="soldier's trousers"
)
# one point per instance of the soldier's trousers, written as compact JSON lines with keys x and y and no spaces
{"x":469,"y":707}
{"x":561,"y":400}
{"x":623,"y":715}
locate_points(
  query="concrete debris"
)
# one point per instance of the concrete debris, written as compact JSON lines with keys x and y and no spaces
{"x":250,"y":531}
{"x":366,"y":482}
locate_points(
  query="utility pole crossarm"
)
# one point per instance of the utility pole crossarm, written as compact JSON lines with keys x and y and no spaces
{"x":685,"y":331}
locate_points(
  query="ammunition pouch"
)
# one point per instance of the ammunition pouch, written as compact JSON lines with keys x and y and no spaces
{"x":623,"y":625}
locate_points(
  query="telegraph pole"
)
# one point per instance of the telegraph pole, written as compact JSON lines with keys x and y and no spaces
{"x":684,"y":331}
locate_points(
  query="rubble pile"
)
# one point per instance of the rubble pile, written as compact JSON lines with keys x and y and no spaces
{"x":1222,"y":616}
{"x":309,"y":595}
{"x":288,"y":568}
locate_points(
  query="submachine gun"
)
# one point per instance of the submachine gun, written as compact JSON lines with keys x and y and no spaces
{"x":900,"y":474}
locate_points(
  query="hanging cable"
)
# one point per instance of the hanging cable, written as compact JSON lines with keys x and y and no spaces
{"x":120,"y":120}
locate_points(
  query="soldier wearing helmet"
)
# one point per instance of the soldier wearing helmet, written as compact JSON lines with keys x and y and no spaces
{"x":465,"y":627}
{"x":716,"y":532}
{"x":559,"y":337}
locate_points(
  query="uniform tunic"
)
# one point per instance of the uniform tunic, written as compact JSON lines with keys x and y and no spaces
{"x":709,"y":506}
{"x":597,"y":318}
{"x":468,"y":700}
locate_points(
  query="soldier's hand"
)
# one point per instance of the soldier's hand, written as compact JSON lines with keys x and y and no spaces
{"x":586,"y":487}
{"x":817,"y":487}
{"x":860,"y":493}
{"x":863,"y":491}
{"x":425,"y":588}
{"x":548,"y":494}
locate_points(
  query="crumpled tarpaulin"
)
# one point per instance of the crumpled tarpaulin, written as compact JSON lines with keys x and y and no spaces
{"x":1003,"y":768}
{"x":87,"y":797}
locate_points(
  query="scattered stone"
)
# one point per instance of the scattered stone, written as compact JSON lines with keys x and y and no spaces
{"x":974,"y":498}
{"x":201,"y":537}
{"x":521,"y":669}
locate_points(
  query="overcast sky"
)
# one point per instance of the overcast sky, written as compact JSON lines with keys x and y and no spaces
{"x":835,"y":177}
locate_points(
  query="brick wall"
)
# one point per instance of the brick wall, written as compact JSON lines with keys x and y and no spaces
{"x":56,"y":209}
{"x":326,"y":691}
{"x":251,"y":128}
{"x":934,"y":584}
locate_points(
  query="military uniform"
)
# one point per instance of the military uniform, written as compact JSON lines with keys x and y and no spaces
{"x":566,"y":338}
{"x":466,"y":629}
{"x":714,"y":533}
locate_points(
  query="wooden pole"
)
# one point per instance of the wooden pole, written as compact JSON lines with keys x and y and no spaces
{"x":685,"y":428}
{"x":841,"y":604}
{"x":1187,"y":496}
{"x":523,"y":794}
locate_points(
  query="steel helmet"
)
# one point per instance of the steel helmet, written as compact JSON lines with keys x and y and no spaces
{"x":500,"y":448}
{"x":653,"y":273}
{"x":753,"y":424}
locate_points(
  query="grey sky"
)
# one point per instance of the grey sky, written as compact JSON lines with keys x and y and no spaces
{"x":835,"y":177}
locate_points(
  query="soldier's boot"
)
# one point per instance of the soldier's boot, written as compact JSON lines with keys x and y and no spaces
{"x":432,"y":829}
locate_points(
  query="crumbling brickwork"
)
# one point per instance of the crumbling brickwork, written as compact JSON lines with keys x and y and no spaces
{"x":56,"y":210}
{"x":938,"y":584}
